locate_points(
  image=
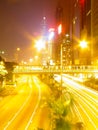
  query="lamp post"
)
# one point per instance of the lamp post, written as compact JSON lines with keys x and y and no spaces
{"x":17,"y":54}
{"x":50,"y":42}
{"x":83,"y":44}
{"x":61,"y":52}
{"x":61,"y":63}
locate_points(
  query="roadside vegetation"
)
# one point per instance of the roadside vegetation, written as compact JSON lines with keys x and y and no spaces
{"x":6,"y":77}
{"x":3,"y":72}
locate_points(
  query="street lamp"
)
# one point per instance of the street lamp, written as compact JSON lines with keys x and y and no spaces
{"x":41,"y":47}
{"x":84,"y":52}
{"x":61,"y":63}
{"x":50,"y":42}
{"x":83,"y":44}
{"x":61,"y":52}
{"x":17,"y":54}
{"x":40,"y":44}
{"x":18,"y":49}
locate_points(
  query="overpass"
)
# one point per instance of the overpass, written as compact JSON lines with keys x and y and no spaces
{"x":39,"y":69}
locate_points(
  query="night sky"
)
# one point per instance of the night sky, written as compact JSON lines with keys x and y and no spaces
{"x":20,"y":20}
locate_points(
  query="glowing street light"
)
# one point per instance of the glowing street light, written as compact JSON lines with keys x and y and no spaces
{"x":17,"y":53}
{"x":31,"y":60}
{"x":83,"y":44}
{"x":61,"y":51}
{"x":18,"y":49}
{"x":40,"y":44}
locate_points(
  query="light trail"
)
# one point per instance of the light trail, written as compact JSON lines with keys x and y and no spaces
{"x":37,"y":105}
{"x":81,"y":87}
{"x":78,"y":87}
{"x":85,"y":95}
{"x":77,"y":111}
{"x":72,"y":112}
{"x":82,"y":99}
{"x":92,"y":122}
{"x":86,"y":100}
{"x":86,"y":104}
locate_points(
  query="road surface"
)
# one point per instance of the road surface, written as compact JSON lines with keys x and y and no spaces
{"x":19,"y":108}
{"x":85,"y":105}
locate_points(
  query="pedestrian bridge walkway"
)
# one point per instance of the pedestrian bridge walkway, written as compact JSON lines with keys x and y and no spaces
{"x":31,"y":69}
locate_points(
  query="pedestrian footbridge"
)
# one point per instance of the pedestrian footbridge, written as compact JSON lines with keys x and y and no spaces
{"x":31,"y":69}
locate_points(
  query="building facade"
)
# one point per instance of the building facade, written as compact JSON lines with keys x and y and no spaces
{"x":94,"y":31}
{"x":79,"y":19}
{"x":62,"y":44}
{"x":75,"y":17}
{"x":80,"y":31}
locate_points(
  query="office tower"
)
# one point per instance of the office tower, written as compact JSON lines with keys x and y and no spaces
{"x":94,"y":31}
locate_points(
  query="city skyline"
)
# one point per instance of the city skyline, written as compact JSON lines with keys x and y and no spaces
{"x":20,"y":21}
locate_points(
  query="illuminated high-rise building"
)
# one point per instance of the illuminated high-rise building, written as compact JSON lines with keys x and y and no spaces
{"x":44,"y":27}
{"x":81,"y":30}
{"x":75,"y":17}
{"x":59,"y":25}
{"x":94,"y":31}
{"x":62,"y":35}
{"x":43,"y":53}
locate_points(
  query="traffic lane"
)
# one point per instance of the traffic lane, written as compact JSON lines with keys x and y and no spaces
{"x":86,"y":90}
{"x":87,"y":98}
{"x":87,"y":107}
{"x":21,"y":119}
{"x":41,"y":118}
{"x":88,"y":118}
{"x":86,"y":95}
{"x":90,"y":95}
{"x":12,"y":105}
{"x":85,"y":103}
{"x":27,"y":116}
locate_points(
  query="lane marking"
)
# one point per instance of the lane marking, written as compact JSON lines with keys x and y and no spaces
{"x":16,"y":114}
{"x":37,"y":105}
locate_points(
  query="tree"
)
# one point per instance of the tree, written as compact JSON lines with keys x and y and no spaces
{"x":9,"y":67}
{"x":3,"y":72}
{"x":58,"y":104}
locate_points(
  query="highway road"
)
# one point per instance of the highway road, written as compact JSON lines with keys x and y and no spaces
{"x":85,"y":105}
{"x":19,"y":109}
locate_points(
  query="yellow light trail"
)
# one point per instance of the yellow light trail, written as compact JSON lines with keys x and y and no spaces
{"x":37,"y":104}
{"x":85,"y":102}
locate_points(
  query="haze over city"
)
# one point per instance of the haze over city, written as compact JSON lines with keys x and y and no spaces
{"x":49,"y":65}
{"x":20,"y":21}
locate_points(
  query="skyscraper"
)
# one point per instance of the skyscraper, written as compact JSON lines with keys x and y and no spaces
{"x":62,"y":37}
{"x":94,"y":32}
{"x":81,"y":30}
